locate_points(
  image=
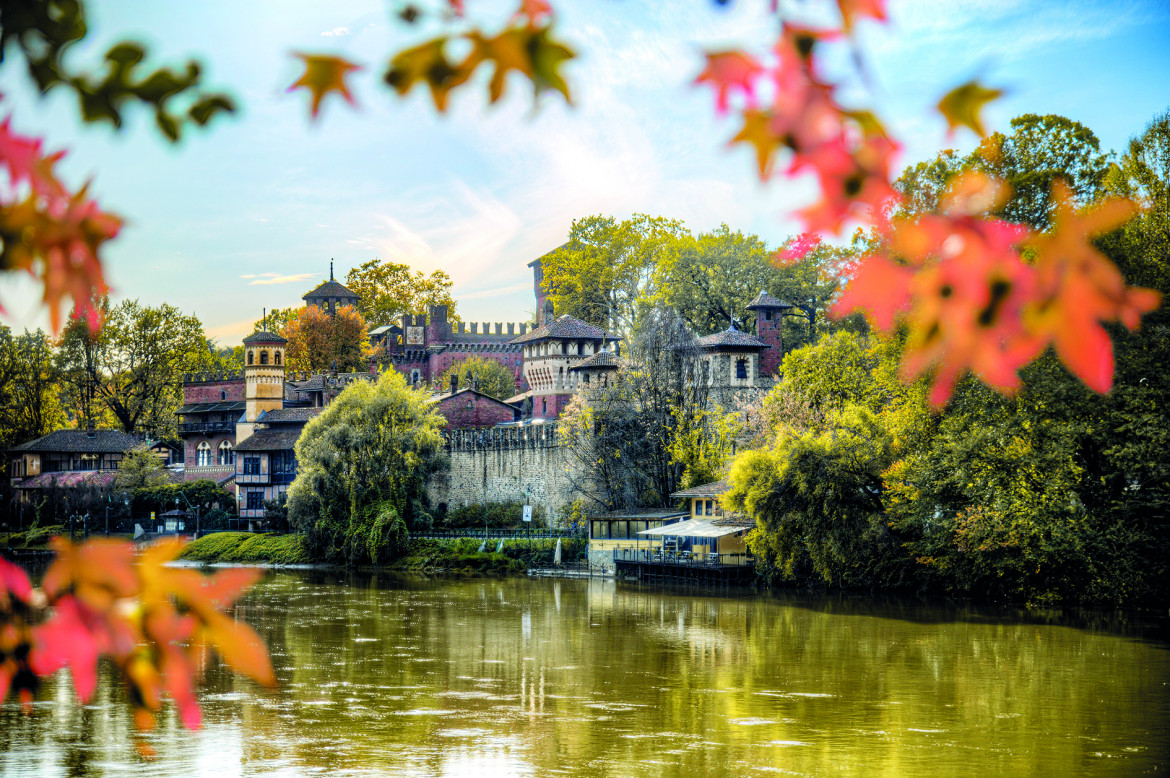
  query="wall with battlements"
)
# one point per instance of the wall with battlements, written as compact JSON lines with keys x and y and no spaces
{"x":498,"y":464}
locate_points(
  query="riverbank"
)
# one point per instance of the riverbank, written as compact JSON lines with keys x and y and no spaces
{"x":512,"y":557}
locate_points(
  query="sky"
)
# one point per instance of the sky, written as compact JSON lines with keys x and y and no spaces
{"x":248,"y":213}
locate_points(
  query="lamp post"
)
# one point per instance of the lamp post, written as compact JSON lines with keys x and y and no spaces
{"x":194,"y":510}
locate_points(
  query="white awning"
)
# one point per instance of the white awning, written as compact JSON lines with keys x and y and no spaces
{"x":694,"y":528}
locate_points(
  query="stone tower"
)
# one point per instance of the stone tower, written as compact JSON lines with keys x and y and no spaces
{"x":263,"y":378}
{"x":769,"y":318}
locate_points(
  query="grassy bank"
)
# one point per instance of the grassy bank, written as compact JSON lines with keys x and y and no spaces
{"x":249,"y":548}
{"x":450,"y":555}
{"x":463,"y":555}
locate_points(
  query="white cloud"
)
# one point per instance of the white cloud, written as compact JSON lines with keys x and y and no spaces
{"x":336,"y":32}
{"x":277,"y":279}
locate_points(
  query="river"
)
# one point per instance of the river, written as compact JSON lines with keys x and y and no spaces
{"x":386,"y":675}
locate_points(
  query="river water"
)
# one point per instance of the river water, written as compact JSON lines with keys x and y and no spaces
{"x":382,"y":675}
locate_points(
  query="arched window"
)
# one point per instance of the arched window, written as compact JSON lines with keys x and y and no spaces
{"x":264,"y":357}
{"x":223,"y":394}
{"x":276,"y":358}
{"x":250,"y":353}
{"x":203,"y":454}
{"x":227,"y":455}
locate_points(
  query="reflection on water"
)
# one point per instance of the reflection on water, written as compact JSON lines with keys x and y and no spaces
{"x":406,"y":676}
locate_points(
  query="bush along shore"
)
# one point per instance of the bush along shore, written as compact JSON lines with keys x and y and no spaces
{"x":461,"y":555}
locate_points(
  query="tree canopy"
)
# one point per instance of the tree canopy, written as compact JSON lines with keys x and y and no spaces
{"x":387,"y":290}
{"x":486,"y":376}
{"x":320,"y":341}
{"x":362,"y":469}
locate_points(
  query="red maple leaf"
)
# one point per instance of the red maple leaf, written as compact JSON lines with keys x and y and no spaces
{"x":731,"y":70}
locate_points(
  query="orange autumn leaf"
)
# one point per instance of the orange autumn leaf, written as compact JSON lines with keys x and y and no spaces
{"x":852,"y":9}
{"x":240,"y":648}
{"x":962,"y":105}
{"x":1080,"y":288}
{"x":757,"y":133}
{"x":324,"y":74}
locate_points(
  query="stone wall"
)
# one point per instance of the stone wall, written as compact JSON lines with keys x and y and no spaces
{"x":499,"y":464}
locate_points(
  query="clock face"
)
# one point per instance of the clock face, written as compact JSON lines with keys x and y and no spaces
{"x":414,"y":336}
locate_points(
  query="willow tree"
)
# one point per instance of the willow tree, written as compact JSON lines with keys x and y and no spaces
{"x":362,"y":471}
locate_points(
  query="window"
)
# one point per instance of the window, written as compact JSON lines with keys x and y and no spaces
{"x":89,"y":462}
{"x":741,"y":368}
{"x":252,"y":464}
{"x":768,"y":315}
{"x":203,"y":454}
{"x":250,"y":356}
{"x":415,"y":377}
{"x":600,"y":530}
{"x":227,"y":455}
{"x":264,"y":357}
{"x":255,"y":501}
{"x":276,"y":358}
{"x":223,"y":394}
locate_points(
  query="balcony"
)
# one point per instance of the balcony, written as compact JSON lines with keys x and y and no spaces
{"x":206,"y":427}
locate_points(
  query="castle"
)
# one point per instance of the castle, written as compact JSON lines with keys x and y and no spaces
{"x":240,"y":428}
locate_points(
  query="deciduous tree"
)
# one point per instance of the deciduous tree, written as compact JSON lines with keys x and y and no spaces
{"x":134,"y":366}
{"x":362,"y":467}
{"x":387,"y":290}
{"x":320,"y":341}
{"x":486,"y":376}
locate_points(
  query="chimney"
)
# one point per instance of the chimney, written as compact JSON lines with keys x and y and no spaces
{"x":89,"y":433}
{"x":454,"y":383}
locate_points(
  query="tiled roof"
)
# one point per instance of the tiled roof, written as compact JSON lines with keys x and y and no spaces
{"x":330,"y":289}
{"x":442,"y":398}
{"x":318,"y":382}
{"x":765,"y":300}
{"x":98,"y":478}
{"x":599,"y":361}
{"x":287,"y":415}
{"x":264,"y":336}
{"x":80,"y":442}
{"x":282,"y":438}
{"x":219,"y":407}
{"x":566,"y":327}
{"x":731,"y":337}
{"x":713,"y":489}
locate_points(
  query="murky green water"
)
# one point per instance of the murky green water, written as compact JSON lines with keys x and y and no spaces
{"x":387,"y":676}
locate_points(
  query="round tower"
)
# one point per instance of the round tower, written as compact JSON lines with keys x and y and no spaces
{"x":263,"y":373}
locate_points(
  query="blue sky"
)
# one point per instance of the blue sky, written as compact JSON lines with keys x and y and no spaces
{"x":248,"y":214}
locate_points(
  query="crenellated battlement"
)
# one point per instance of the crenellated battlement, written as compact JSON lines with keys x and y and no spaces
{"x":213,"y":377}
{"x":490,"y":328}
{"x":503,"y":438}
{"x":495,"y":347}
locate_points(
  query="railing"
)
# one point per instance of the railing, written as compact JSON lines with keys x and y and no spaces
{"x":683,"y":558}
{"x":496,"y":534}
{"x":207,"y":426}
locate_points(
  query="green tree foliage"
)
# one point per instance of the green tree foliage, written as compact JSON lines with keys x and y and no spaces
{"x":320,"y":341}
{"x":1039,"y":150}
{"x":276,"y":319}
{"x":140,"y":469}
{"x":486,"y":376}
{"x":609,"y":270}
{"x":43,"y":31}
{"x":387,"y":290}
{"x":30,"y":405}
{"x":133,"y":367}
{"x":363,"y":461}
{"x":817,"y":499}
{"x":704,"y":440}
